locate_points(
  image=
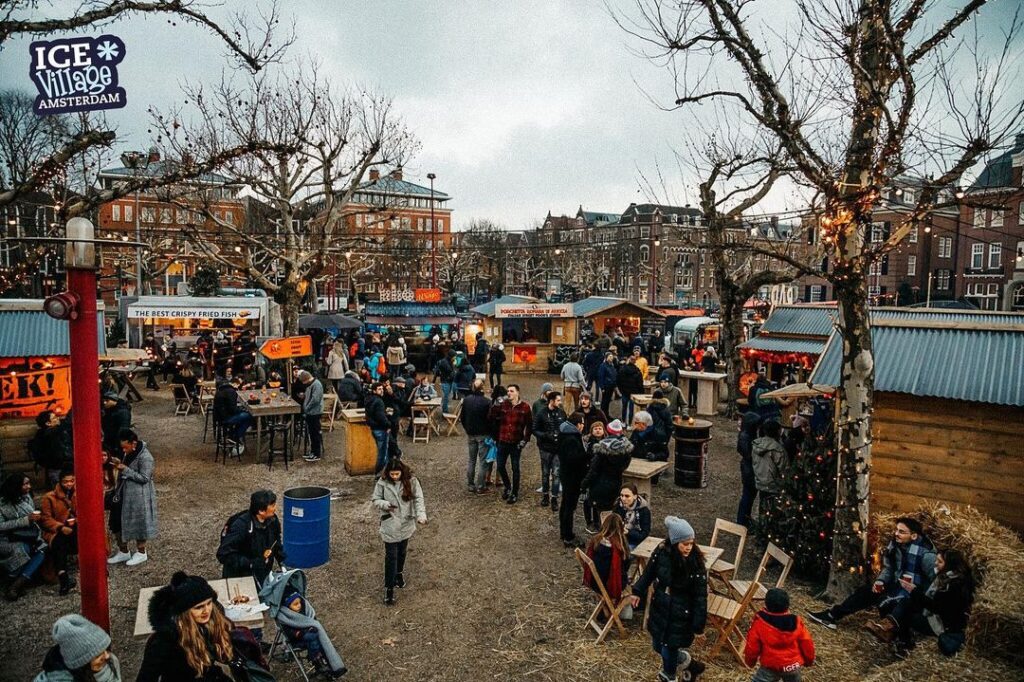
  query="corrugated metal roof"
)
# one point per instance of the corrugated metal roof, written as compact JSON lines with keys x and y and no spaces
{"x":801,"y":320}
{"x":30,"y":333}
{"x":977,"y":365}
{"x":487,"y":309}
{"x":775,"y":344}
{"x":400,"y":188}
{"x":947,"y":315}
{"x":409,"y":309}
{"x":595,"y":304}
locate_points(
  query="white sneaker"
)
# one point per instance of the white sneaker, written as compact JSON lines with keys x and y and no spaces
{"x":119,"y":558}
{"x":137,"y":558}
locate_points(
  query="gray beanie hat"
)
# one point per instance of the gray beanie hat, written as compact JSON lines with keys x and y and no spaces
{"x":546,"y":388}
{"x":679,"y":530}
{"x":79,"y":640}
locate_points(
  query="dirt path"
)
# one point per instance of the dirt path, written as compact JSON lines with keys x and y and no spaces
{"x":492,"y":593}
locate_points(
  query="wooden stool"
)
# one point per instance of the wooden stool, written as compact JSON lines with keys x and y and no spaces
{"x":284,"y":450}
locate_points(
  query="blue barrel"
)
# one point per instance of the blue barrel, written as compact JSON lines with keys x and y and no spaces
{"x":307,"y":526}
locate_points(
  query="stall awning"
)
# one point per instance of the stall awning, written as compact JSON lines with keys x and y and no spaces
{"x":388,"y":319}
{"x":803,"y":390}
{"x":199,"y":309}
{"x":776,"y":344}
{"x":33,"y":333}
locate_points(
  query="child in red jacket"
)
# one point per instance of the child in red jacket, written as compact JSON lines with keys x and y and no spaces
{"x":780,"y":640}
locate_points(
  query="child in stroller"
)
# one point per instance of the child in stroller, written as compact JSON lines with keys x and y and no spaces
{"x":296,"y":619}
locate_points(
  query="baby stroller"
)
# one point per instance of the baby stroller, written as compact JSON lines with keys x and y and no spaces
{"x":279,"y":589}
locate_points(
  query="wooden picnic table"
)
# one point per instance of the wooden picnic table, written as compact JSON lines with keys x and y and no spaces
{"x":270,"y":406}
{"x":427,"y":409}
{"x":642,"y":399}
{"x":225,"y":589}
{"x":642,"y":553}
{"x":123,"y":377}
{"x":708,"y":384}
{"x":640,"y":472}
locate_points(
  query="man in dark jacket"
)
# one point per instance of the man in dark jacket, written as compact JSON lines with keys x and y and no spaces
{"x":480,"y":352}
{"x":667,"y":369}
{"x":250,"y":541}
{"x":49,"y":446}
{"x":545,"y":426}
{"x":630,"y":382}
{"x":478,"y":427}
{"x":592,"y":359}
{"x":117,"y":415}
{"x":228,"y":410}
{"x":607,"y":378}
{"x":379,"y":422}
{"x":444,"y":372}
{"x":744,"y":445}
{"x":589,"y":412}
{"x":350,"y":389}
{"x":573,"y":461}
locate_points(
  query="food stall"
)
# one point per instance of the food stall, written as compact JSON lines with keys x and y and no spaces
{"x":188,"y":316}
{"x":415,"y":320}
{"x":530,"y":329}
{"x":790,"y":341}
{"x":600,"y":314}
{"x":35,"y":374}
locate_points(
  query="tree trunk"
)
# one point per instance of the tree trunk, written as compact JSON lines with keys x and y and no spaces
{"x":853,"y":434}
{"x":290,"y":300}
{"x":732,"y":332}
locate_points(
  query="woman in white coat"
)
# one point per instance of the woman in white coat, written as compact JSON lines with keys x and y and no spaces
{"x":398,"y":498}
{"x":337,"y":364}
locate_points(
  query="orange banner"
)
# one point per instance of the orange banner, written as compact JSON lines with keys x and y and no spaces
{"x":288,"y":347}
{"x":524,"y":354}
{"x":29,"y":386}
{"x":427,"y":295}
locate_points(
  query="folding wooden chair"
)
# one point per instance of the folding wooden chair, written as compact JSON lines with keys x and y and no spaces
{"x":421,"y":429}
{"x":605,"y":604}
{"x":740,"y":587}
{"x":722,"y":569}
{"x":330,"y":410}
{"x":182,"y":400}
{"x":453,"y":418}
{"x":725,"y":615}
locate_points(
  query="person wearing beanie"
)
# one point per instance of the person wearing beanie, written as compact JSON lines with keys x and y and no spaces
{"x":604,"y":477}
{"x":444,"y":372}
{"x":191,"y":635}
{"x":678,"y":609}
{"x":542,"y":402}
{"x":779,"y":640}
{"x":81,"y":652}
{"x":495,"y":364}
{"x":312,"y":410}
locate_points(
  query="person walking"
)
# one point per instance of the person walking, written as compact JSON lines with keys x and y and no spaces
{"x":133,"y":509}
{"x":779,"y":640}
{"x":444,"y":372}
{"x":21,"y":546}
{"x":59,"y":524}
{"x":480,"y":352}
{"x":312,"y":412}
{"x":474,"y":418}
{"x":604,"y":478}
{"x":515,"y":425}
{"x":495,"y":364}
{"x":398,"y":497}
{"x":575,"y":381}
{"x":250,"y":540}
{"x":678,"y":609}
{"x":573,"y":462}
{"x":191,"y":637}
{"x":546,"y":421}
{"x":379,"y":422}
{"x":337,"y":365}
{"x":607,"y":380}
{"x":592,"y":360}
{"x":81,"y":651}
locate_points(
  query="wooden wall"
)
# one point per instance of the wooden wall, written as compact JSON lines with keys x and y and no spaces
{"x":948,"y":451}
{"x":14,"y":437}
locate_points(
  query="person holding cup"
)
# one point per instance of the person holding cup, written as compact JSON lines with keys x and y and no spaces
{"x":60,"y":527}
{"x":21,"y":547}
{"x":908,"y":559}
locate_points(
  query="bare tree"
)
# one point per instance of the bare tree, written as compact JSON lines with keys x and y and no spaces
{"x":862,"y":92}
{"x":325,"y":141}
{"x":253,"y":41}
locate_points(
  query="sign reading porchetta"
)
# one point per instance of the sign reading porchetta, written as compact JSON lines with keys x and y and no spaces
{"x":29,"y":386}
{"x":189,"y":312}
{"x":521,"y":310}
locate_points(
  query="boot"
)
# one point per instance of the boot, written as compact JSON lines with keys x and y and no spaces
{"x":16,"y":589}
{"x":554,"y":504}
{"x":399,"y":580}
{"x":389,"y":596}
{"x":545,"y":500}
{"x":692,"y":672}
{"x":66,"y":583}
{"x":884,"y":630}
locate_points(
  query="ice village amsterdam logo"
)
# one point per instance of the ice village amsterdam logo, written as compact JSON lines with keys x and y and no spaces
{"x":77,"y":74}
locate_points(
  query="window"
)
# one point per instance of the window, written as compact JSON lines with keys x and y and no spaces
{"x":229,"y":217}
{"x":147,"y":214}
{"x":181,"y":217}
{"x":876,"y":233}
{"x":995,"y":255}
{"x":912,"y":235}
{"x":911,"y":265}
{"x":942,"y":280}
{"x":165,"y":216}
{"x":816,"y":296}
{"x":945,"y":247}
{"x":993,"y":289}
{"x":977,"y":255}
{"x":979,"y":217}
{"x":874,"y":269}
{"x":406,"y":223}
{"x":645,"y":253}
{"x":115,"y":212}
{"x":440,"y":225}
{"x":359,"y":219}
{"x":908,"y":196}
{"x":645,"y":231}
{"x":702,"y":256}
{"x":874,"y":291}
{"x":419,"y":224}
{"x":997,"y":218}
{"x":128,"y":213}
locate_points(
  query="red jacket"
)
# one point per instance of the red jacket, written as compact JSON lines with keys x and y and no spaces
{"x":780,"y":641}
{"x":515,"y":422}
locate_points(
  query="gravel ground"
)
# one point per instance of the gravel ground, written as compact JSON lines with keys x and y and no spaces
{"x":492,"y":594}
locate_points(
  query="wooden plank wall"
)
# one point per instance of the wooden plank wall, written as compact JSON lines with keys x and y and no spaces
{"x":948,"y":451}
{"x":14,"y":437}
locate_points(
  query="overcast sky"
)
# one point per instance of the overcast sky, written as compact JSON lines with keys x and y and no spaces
{"x":522,"y":107}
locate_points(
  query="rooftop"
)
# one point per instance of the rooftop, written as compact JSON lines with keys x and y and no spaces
{"x":393,"y":187}
{"x":999,"y":171}
{"x":27,"y":331}
{"x":596,"y":304}
{"x":158,"y":169}
{"x":487,"y":309}
{"x":801,"y":320}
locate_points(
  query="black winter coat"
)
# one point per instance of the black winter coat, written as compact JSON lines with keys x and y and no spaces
{"x":604,"y":478}
{"x":113,"y":420}
{"x":630,"y":380}
{"x":242,"y":543}
{"x":163,"y":659}
{"x":350,"y":389}
{"x":545,"y":427}
{"x":951,"y":603}
{"x":662,"y":420}
{"x":474,"y":415}
{"x":679,"y":607}
{"x":497,"y":360}
{"x":748,"y":434}
{"x":444,"y":371}
{"x":376,"y":414}
{"x":573,"y":458}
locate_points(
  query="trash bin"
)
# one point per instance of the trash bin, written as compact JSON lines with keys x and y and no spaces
{"x":692,"y":439}
{"x":307,"y":526}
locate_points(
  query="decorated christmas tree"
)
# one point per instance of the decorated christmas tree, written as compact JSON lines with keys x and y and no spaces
{"x":802,"y":523}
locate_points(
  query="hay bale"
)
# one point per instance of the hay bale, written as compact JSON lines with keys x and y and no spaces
{"x":996,"y":554}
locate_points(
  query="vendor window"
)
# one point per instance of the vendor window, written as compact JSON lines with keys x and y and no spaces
{"x":534,"y":331}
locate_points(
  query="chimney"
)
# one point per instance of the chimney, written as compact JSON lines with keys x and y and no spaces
{"x":397,"y":173}
{"x":154,"y":155}
{"x":374,"y":175}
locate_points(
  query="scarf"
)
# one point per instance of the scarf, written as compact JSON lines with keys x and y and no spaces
{"x":907,"y":561}
{"x":614,"y":582}
{"x":632,"y":519}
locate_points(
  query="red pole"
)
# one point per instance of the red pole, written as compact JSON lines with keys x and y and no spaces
{"x":85,"y":399}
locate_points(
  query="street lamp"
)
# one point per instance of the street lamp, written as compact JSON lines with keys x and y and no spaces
{"x":348,"y":270}
{"x":131,"y":160}
{"x":433,"y":235}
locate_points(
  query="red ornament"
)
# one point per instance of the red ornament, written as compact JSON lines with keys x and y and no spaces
{"x":810,"y":496}
{"x":821,"y":535}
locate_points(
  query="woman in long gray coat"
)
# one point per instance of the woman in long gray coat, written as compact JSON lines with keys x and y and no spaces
{"x":21,"y":546}
{"x":398,"y":498}
{"x":133,"y":509}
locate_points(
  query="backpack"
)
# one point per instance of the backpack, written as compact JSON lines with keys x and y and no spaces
{"x":224,"y":549}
